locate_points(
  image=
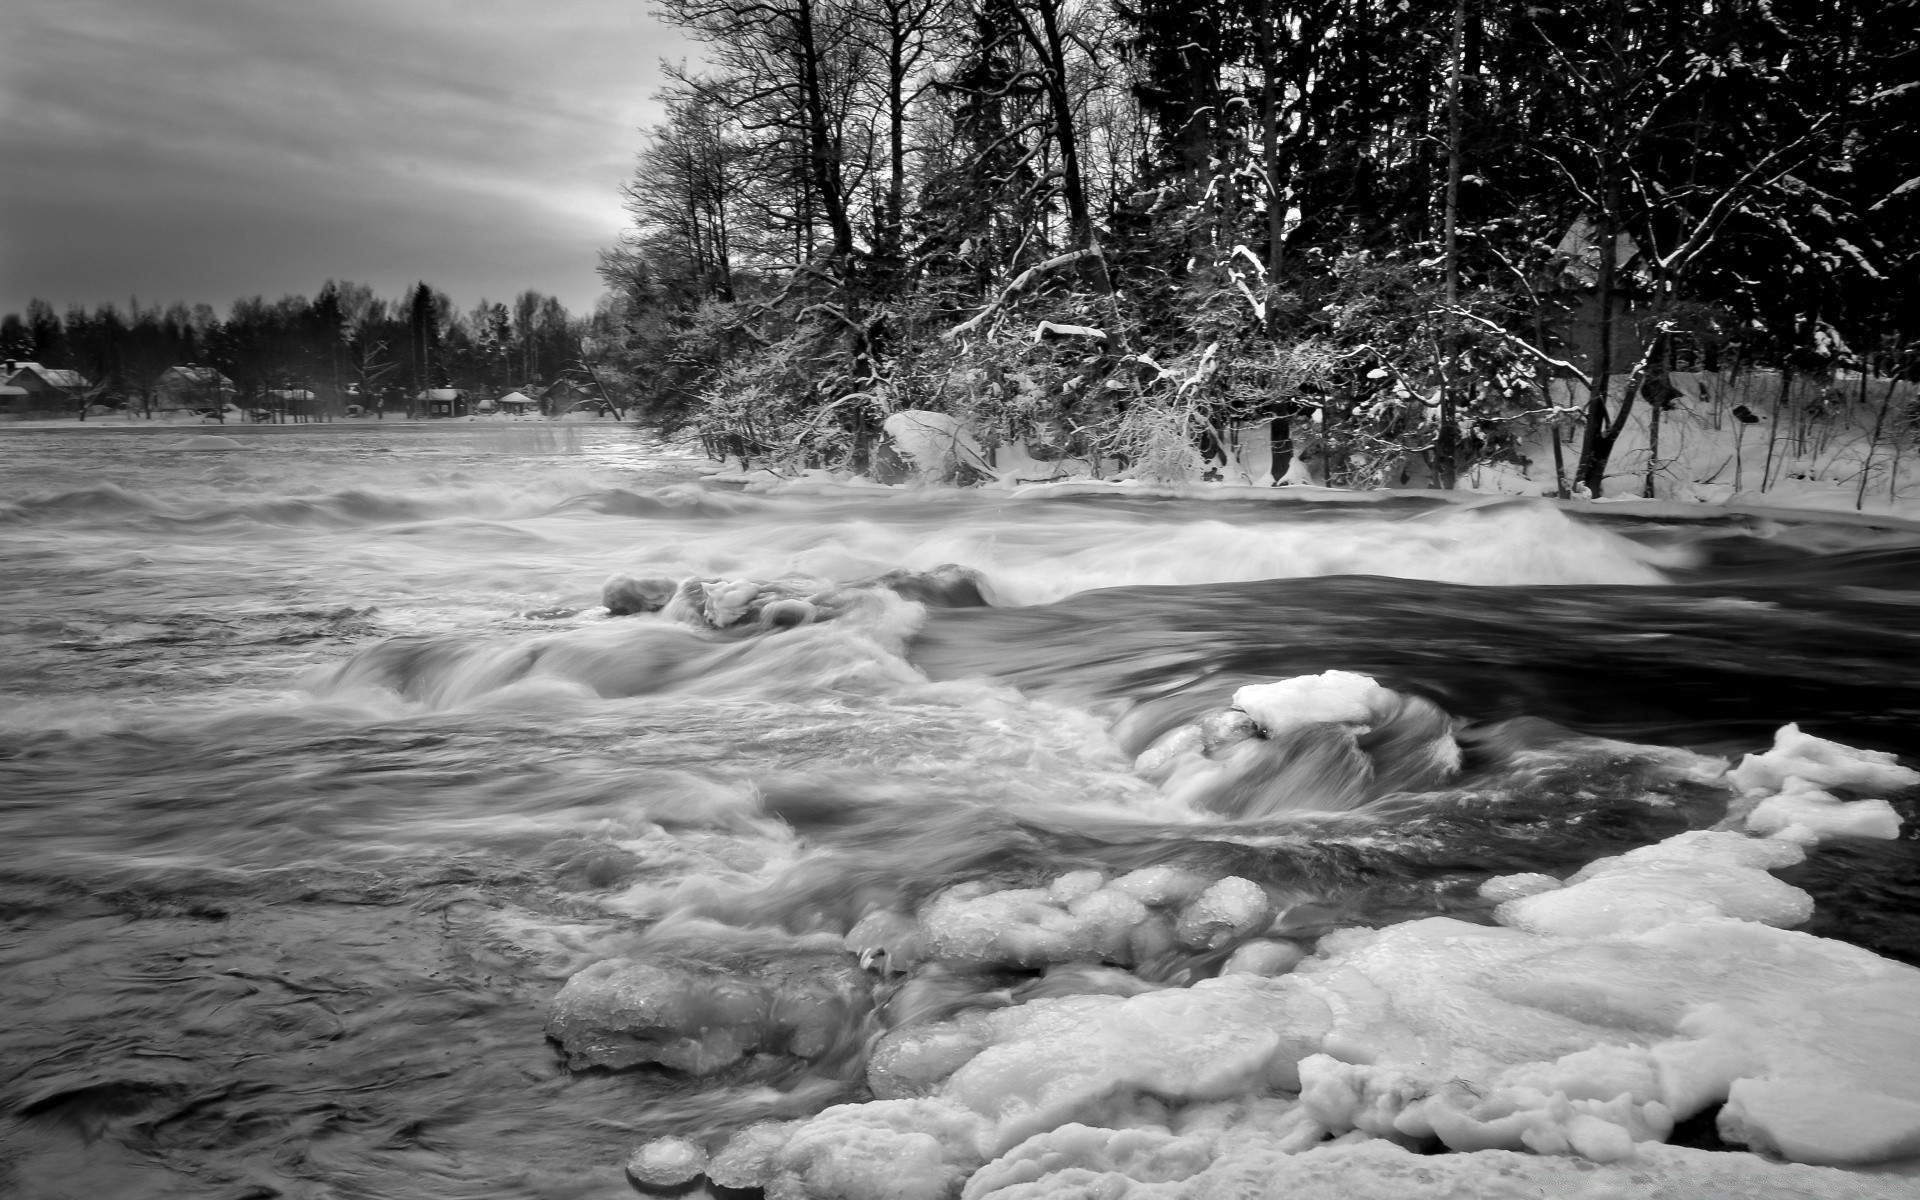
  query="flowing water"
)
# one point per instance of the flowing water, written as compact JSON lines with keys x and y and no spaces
{"x":321,"y":771}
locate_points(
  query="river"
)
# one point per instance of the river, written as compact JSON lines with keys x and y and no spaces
{"x":322,"y":771}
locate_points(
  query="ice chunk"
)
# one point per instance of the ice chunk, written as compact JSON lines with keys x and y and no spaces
{"x":1803,"y":814}
{"x":1110,"y":919}
{"x":1231,"y":909}
{"x":1495,"y":1038}
{"x":1078,"y":1154}
{"x":1075,"y":884}
{"x":1264,"y":957}
{"x":747,"y":1161}
{"x":886,"y":1150}
{"x":1096,"y":1059}
{"x":1380,"y":1170}
{"x":914,"y":1060}
{"x":1021,"y":927}
{"x":1331,"y":697}
{"x":1822,"y":763}
{"x":1161,"y":885}
{"x":699,"y":1019}
{"x":1687,"y":877}
{"x":1811,"y":1121}
{"x":1515,"y":887}
{"x":667,"y":1162}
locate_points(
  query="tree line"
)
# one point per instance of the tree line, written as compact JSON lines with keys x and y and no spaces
{"x":1407,"y":230}
{"x":342,"y":346}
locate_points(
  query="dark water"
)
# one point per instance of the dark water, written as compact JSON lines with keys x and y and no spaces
{"x":320,"y":773}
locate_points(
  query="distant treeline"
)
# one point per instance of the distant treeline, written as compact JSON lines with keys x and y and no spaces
{"x":342,"y":346}
{"x":1118,"y":230}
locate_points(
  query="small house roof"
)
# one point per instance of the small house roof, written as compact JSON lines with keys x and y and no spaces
{"x":439,"y":394}
{"x":204,"y":376}
{"x":53,"y":376}
{"x":517,"y":398}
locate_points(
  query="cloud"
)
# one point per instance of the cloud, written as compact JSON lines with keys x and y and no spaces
{"x":206,"y":149}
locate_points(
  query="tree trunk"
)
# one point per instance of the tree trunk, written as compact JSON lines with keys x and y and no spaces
{"x":1446,"y":446}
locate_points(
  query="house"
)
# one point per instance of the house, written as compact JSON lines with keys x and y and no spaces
{"x":48,"y":389}
{"x":517,"y":403}
{"x":441,"y":402}
{"x":191,"y":387}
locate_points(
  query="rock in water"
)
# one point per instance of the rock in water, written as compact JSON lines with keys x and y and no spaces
{"x":625,"y":595}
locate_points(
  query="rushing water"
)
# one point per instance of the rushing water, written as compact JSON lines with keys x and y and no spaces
{"x":321,"y":771}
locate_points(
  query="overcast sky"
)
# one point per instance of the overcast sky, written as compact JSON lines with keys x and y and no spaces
{"x":204,"y":150}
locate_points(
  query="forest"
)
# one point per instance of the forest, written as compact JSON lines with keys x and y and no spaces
{"x":343,"y":346}
{"x":1119,"y":231}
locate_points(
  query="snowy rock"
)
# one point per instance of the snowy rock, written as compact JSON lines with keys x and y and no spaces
{"x":1329,"y":698}
{"x":937,"y":444}
{"x":1803,"y":814}
{"x":1825,"y":764}
{"x":667,"y":1162}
